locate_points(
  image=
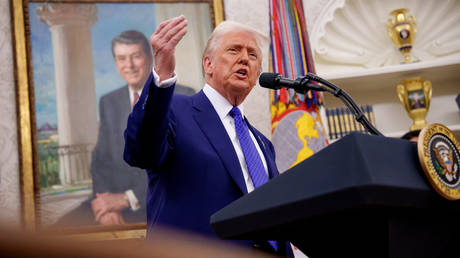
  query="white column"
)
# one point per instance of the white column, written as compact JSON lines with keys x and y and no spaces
{"x":75,"y":87}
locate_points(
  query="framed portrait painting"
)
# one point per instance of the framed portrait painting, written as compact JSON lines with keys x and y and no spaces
{"x":79,"y":65}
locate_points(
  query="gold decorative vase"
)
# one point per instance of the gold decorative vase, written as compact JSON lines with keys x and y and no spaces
{"x":415,"y":95}
{"x":402,"y":29}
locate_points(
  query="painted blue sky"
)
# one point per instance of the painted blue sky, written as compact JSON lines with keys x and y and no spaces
{"x":111,"y":20}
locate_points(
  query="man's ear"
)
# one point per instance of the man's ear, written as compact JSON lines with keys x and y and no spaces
{"x":207,"y":66}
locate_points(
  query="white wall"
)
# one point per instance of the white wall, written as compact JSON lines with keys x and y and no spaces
{"x":9,"y":162}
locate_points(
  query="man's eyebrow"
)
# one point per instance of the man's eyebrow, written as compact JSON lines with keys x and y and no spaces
{"x":238,"y":45}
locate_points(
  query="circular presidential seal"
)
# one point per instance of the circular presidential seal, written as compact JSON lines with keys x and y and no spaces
{"x":438,"y":152}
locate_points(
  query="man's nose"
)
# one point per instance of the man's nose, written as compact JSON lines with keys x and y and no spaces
{"x":130,"y":62}
{"x":244,"y":57}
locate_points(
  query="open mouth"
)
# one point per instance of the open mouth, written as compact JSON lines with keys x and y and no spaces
{"x":242,"y":72}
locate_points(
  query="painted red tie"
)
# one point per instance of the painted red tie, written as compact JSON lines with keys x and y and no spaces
{"x":136,"y":98}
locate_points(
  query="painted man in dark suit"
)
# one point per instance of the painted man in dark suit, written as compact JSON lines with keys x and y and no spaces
{"x":200,"y":151}
{"x":118,"y":189}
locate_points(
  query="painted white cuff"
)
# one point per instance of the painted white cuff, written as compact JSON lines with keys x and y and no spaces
{"x":133,"y":202}
{"x":165,"y":83}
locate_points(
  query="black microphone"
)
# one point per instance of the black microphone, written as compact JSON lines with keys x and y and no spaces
{"x":276,"y":81}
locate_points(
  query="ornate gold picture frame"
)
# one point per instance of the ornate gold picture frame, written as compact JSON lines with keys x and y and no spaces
{"x":27,"y":114}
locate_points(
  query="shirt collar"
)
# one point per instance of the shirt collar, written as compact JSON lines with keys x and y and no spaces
{"x":220,"y":104}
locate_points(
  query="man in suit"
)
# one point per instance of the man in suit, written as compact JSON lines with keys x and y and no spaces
{"x":200,"y":152}
{"x":118,"y":189}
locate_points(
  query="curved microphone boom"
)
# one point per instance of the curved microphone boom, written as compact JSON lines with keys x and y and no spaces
{"x":303,"y":84}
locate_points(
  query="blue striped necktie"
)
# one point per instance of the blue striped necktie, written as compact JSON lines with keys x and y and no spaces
{"x":251,"y":155}
{"x":253,"y":161}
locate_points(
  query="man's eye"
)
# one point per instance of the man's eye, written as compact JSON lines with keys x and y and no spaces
{"x":232,"y":50}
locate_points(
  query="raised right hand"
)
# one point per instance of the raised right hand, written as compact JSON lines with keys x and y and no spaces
{"x":164,"y":41}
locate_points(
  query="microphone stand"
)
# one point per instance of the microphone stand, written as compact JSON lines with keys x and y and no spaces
{"x":304,"y":85}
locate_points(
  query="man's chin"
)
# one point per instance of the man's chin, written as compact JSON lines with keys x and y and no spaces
{"x":241,"y":85}
{"x":241,"y":90}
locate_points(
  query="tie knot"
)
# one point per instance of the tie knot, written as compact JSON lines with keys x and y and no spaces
{"x":235,"y":112}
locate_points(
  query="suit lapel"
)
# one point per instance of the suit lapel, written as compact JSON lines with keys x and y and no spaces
{"x":209,"y":122}
{"x":271,"y":165}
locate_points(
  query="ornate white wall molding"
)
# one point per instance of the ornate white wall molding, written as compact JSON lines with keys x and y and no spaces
{"x":313,"y":9}
{"x":352,"y":34}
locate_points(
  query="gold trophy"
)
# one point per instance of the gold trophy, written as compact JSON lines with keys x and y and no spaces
{"x":415,"y":95}
{"x":402,"y":30}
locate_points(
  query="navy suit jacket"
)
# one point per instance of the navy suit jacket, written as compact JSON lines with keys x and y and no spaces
{"x":191,"y":164}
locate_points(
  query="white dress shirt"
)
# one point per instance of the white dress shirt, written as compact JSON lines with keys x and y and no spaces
{"x":223,"y":107}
